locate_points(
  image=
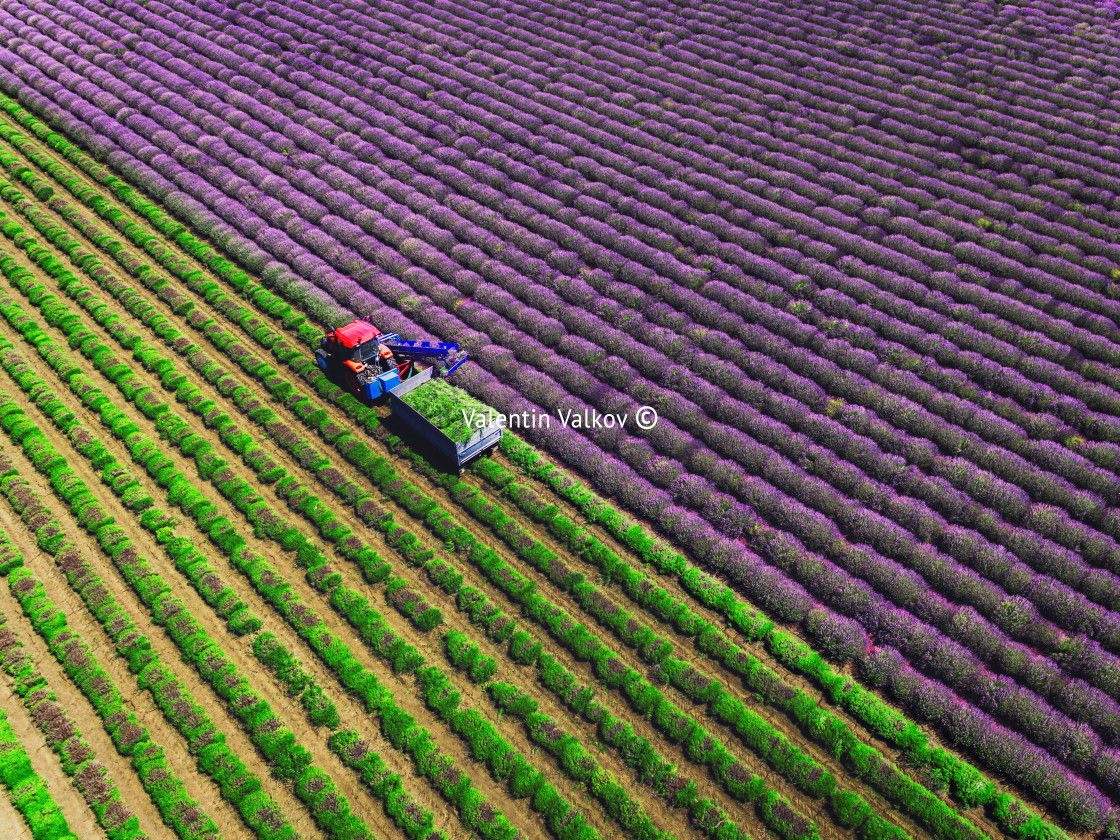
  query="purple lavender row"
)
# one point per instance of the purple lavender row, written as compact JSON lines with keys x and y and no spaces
{"x":1070,"y":432}
{"x":899,"y":241}
{"x":989,"y":345}
{"x":724,"y":75}
{"x":1042,"y":69}
{"x":944,"y":23}
{"x":1024,"y":119}
{"x":940,"y":158}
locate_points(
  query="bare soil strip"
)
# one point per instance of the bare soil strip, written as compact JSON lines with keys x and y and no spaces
{"x":11,"y":823}
{"x":46,"y":765}
{"x":75,"y":703}
{"x":199,"y":786}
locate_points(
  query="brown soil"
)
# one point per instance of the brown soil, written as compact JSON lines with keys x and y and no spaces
{"x":46,"y":765}
{"x":80,"y":712}
{"x":200,"y":788}
{"x":11,"y":823}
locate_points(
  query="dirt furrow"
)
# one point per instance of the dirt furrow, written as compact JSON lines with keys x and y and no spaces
{"x":200,"y":788}
{"x":11,"y":823}
{"x":230,"y":823}
{"x":80,"y":711}
{"x":46,"y":765}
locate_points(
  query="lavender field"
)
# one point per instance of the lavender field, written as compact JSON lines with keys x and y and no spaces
{"x":861,"y":578}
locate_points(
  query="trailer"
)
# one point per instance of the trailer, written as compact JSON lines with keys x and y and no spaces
{"x":457,"y":453}
{"x":371,"y":364}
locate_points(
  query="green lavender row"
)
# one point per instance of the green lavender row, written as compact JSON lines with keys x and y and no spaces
{"x":288,"y":759}
{"x":574,"y":759}
{"x":223,"y":534}
{"x":77,"y":758}
{"x":151,"y":410}
{"x":297,"y":683}
{"x":957,"y":787}
{"x":186,"y":818}
{"x":186,"y":716}
{"x":27,"y":791}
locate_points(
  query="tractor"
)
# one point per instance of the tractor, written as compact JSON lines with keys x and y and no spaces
{"x":370,"y":364}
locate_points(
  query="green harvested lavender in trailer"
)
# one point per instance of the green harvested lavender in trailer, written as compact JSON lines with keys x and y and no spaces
{"x":451,"y":410}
